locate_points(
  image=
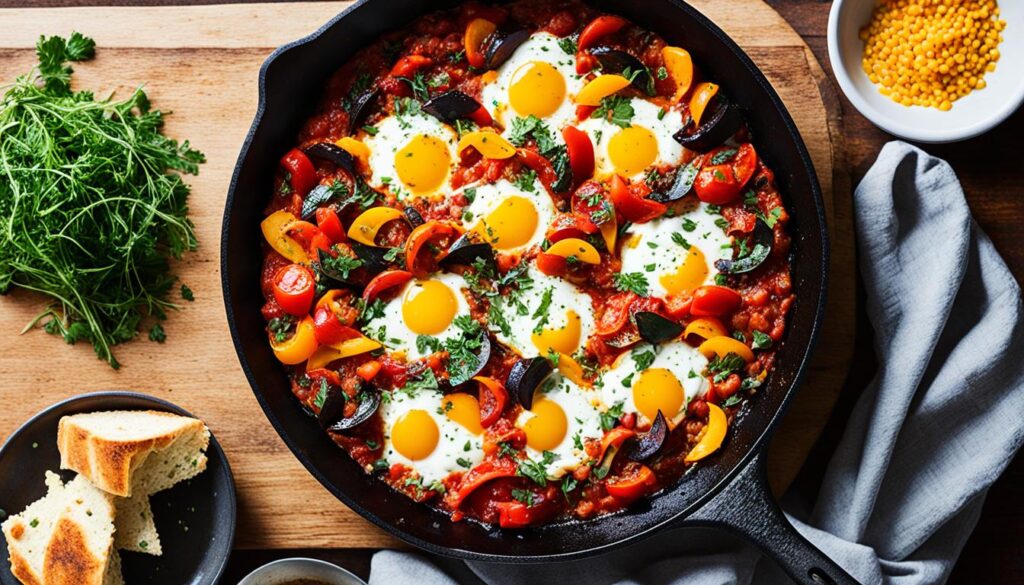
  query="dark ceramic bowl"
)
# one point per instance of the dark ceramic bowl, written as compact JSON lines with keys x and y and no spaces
{"x":195,"y":519}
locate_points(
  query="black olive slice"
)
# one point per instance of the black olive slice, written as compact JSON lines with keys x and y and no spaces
{"x":360,"y":109}
{"x":369,"y":401}
{"x":683,"y":183}
{"x":643,"y":447}
{"x":373,"y":258}
{"x":720,"y":126}
{"x":335,"y":154}
{"x":467,"y":371}
{"x":526,"y":376}
{"x":623,"y":63}
{"x":413,"y":217}
{"x":465,"y":250}
{"x":654,"y":328}
{"x":451,"y":106}
{"x":759,"y":252}
{"x":502,"y":45}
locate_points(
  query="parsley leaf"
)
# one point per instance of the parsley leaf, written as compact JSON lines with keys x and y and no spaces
{"x":632,"y":281}
{"x":761,"y":340}
{"x":616,"y":109}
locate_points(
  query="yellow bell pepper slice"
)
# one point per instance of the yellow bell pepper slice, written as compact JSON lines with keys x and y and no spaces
{"x":600,"y":88}
{"x":343,"y":349}
{"x":275,"y":229}
{"x":714,"y":434}
{"x":365,"y":227}
{"x":610,"y":232}
{"x":490,"y":144}
{"x":571,"y":369}
{"x":723,"y":345}
{"x":356,"y":148}
{"x":680,"y":68}
{"x":700,"y":99}
{"x":705,"y":328}
{"x":582,"y":250}
{"x":297,"y":348}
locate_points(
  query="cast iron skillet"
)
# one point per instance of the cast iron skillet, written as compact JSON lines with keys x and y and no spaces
{"x":728,"y":490}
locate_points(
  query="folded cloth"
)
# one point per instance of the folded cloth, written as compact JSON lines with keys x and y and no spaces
{"x":937,"y":425}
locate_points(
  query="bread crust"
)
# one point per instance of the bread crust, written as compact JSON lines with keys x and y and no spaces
{"x":68,"y":561}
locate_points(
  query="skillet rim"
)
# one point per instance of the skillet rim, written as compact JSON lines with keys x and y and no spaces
{"x":755,"y":448}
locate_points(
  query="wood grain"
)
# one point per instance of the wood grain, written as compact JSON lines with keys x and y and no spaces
{"x":202,"y":65}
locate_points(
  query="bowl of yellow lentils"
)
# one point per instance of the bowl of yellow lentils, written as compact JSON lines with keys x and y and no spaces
{"x":930,"y":70}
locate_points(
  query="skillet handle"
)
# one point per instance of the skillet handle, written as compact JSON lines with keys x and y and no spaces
{"x":747,"y":508}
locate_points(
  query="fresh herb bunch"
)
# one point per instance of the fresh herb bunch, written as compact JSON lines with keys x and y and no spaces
{"x":92,"y":201}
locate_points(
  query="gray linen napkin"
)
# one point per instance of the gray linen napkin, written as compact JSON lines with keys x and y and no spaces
{"x":938,"y":424}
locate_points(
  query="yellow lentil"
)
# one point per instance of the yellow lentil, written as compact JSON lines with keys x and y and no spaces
{"x":931,"y":52}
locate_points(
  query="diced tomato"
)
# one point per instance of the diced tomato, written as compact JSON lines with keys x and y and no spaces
{"x":601,"y":26}
{"x":301,"y":170}
{"x":571,"y":225}
{"x":478,"y":476}
{"x":294,"y":286}
{"x":715,"y":301}
{"x":408,"y":65}
{"x":616,"y":313}
{"x":310,"y":236}
{"x":678,"y":306}
{"x":514,"y":515}
{"x":368,"y":370}
{"x":481,"y":117}
{"x":328,"y":326}
{"x":493,"y":397}
{"x":630,"y":202}
{"x":384,"y":281}
{"x":721,"y":183}
{"x":584,"y":112}
{"x":581,"y":153}
{"x":330,"y":224}
{"x":551,"y":264}
{"x":634,"y":485}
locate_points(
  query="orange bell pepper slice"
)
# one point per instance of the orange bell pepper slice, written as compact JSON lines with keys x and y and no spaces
{"x":714,"y":434}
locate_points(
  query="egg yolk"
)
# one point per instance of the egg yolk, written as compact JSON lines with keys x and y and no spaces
{"x":415,"y":435}
{"x":428,"y":307}
{"x":463,"y":409}
{"x":632,"y":150}
{"x":422,"y":165}
{"x":511,"y":224}
{"x":658,"y":389}
{"x":547,"y":427}
{"x":691,"y":274}
{"x":537,"y":88}
{"x":564,"y":340}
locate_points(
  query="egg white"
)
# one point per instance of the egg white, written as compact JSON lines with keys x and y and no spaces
{"x":487,"y":197}
{"x":520,"y":307}
{"x":646,"y":115}
{"x":678,"y":357}
{"x":451,"y":444}
{"x":392,"y":134}
{"x":396,"y":334}
{"x":582,"y":408}
{"x":540,"y":46}
{"x":649,"y":249}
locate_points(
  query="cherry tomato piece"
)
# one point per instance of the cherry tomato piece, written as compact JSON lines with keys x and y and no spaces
{"x":478,"y":476}
{"x":540,"y":165}
{"x":551,"y":264}
{"x":408,"y":65}
{"x":329,"y":328}
{"x":481,"y":117}
{"x":571,"y":225}
{"x":294,"y":286}
{"x":714,"y":301}
{"x":629,"y":201}
{"x":477,"y":32}
{"x":301,"y":170}
{"x":493,"y":398}
{"x":330,"y":224}
{"x":384,"y":281}
{"x":368,"y":370}
{"x":601,"y":26}
{"x":634,"y":485}
{"x":720,"y":184}
{"x":416,"y":263}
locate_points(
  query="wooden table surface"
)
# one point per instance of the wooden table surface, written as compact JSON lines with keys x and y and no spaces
{"x":989,"y":168}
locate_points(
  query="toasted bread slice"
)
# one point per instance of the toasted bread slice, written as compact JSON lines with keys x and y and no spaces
{"x":66,"y":537}
{"x":136,"y":530}
{"x":127,"y":452}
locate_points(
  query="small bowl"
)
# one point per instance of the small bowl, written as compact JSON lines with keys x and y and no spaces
{"x":972,"y":115}
{"x":285,"y":570}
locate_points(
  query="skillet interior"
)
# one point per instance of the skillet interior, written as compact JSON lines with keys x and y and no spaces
{"x":290,"y":83}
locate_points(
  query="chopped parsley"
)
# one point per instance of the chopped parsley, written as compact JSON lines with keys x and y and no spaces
{"x":281,"y":327}
{"x":568,"y":45}
{"x":635,"y":282}
{"x":761,"y":340}
{"x":341,"y":265}
{"x":524,"y":496}
{"x":722,"y":367}
{"x":536,"y":470}
{"x":463,"y":358}
{"x":610,"y":417}
{"x":723,"y":156}
{"x":679,"y":239}
{"x":541,"y":314}
{"x":616,"y":109}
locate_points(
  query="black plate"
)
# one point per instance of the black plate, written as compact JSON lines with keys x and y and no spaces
{"x":195,"y":519}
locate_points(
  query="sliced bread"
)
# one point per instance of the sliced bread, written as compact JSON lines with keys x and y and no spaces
{"x":66,"y":537}
{"x":124,"y":452}
{"x":136,"y":530}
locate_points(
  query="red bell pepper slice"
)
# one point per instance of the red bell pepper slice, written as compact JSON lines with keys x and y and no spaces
{"x":368,"y":370}
{"x":432,"y":230}
{"x":330,"y":224}
{"x":634,"y":485}
{"x":310,"y":236}
{"x":540,"y":165}
{"x":481,"y":117}
{"x":408,"y":65}
{"x":552,"y":265}
{"x":328,"y":328}
{"x":714,"y":301}
{"x":571,"y":225}
{"x":493,"y":398}
{"x":301,"y":170}
{"x":614,"y":438}
{"x":478,"y":476}
{"x":517,"y":515}
{"x":581,"y":153}
{"x":630,"y":202}
{"x":384,"y":281}
{"x":616,"y":313}
{"x":293,"y":287}
{"x":599,"y":27}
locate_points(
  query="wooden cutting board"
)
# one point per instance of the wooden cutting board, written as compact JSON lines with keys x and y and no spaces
{"x":201,"y":63}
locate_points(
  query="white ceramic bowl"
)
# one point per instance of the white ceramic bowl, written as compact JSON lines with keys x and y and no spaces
{"x":974,"y":114}
{"x":286,"y":570}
